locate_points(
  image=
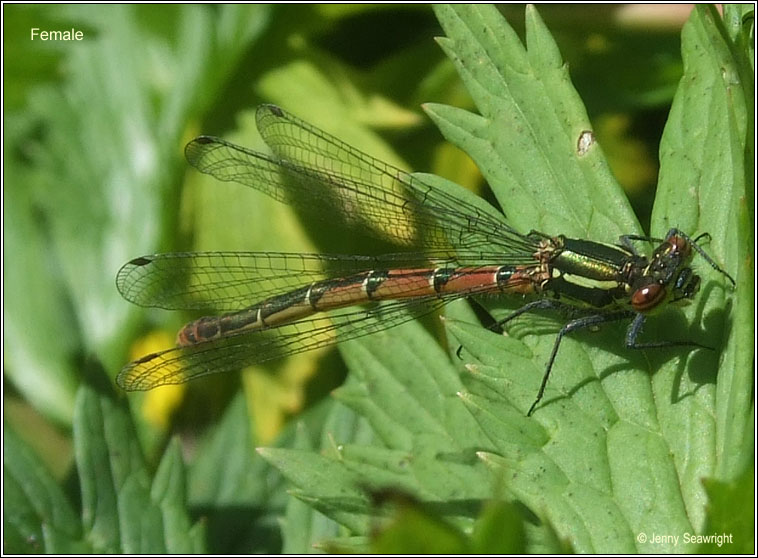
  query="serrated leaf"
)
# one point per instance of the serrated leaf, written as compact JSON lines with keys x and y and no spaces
{"x":230,"y":444}
{"x":410,"y":387}
{"x":121,"y":511}
{"x":658,"y":458}
{"x":34,"y":505}
{"x":170,"y":491}
{"x":706,"y":171}
{"x":416,"y":386}
{"x":525,"y":141}
{"x":236,"y":491}
{"x":93,"y":177}
{"x":599,"y":462}
{"x":302,"y":526}
{"x":333,"y":489}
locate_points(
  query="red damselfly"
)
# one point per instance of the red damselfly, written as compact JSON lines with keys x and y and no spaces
{"x":278,"y":304}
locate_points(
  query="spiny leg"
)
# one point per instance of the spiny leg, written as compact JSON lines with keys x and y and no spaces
{"x":541,"y":304}
{"x":635,"y":328}
{"x":573,"y":325}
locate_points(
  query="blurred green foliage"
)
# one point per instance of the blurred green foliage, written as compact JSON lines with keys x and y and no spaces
{"x":94,"y":176}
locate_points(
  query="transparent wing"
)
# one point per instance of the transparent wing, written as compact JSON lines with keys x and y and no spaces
{"x":228,"y":281}
{"x":327,"y":178}
{"x":181,"y":364}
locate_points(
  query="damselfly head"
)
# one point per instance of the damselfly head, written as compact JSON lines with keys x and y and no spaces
{"x":650,"y":294}
{"x":668,"y":276}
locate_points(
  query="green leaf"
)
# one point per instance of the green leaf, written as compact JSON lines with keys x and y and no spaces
{"x":413,"y":530}
{"x":235,"y":490}
{"x":123,"y":510}
{"x":730,"y":524}
{"x":333,"y":489}
{"x":412,"y":527}
{"x":169,"y":491}
{"x":302,"y":526}
{"x":37,"y":516}
{"x":38,"y":340}
{"x":616,"y":449}
{"x":607,"y":455}
{"x":416,"y":382}
{"x":706,"y":175}
{"x":525,"y":142}
{"x":93,"y":168}
{"x":499,"y":530}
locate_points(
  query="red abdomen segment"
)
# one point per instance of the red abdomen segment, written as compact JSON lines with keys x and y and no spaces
{"x":368,"y":286}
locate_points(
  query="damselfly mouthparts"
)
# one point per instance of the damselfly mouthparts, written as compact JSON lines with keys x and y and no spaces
{"x":279,"y":304}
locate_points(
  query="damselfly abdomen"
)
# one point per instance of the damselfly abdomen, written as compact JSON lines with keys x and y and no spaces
{"x":278,"y":304}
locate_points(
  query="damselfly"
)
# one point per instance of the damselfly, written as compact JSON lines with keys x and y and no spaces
{"x":278,"y":304}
